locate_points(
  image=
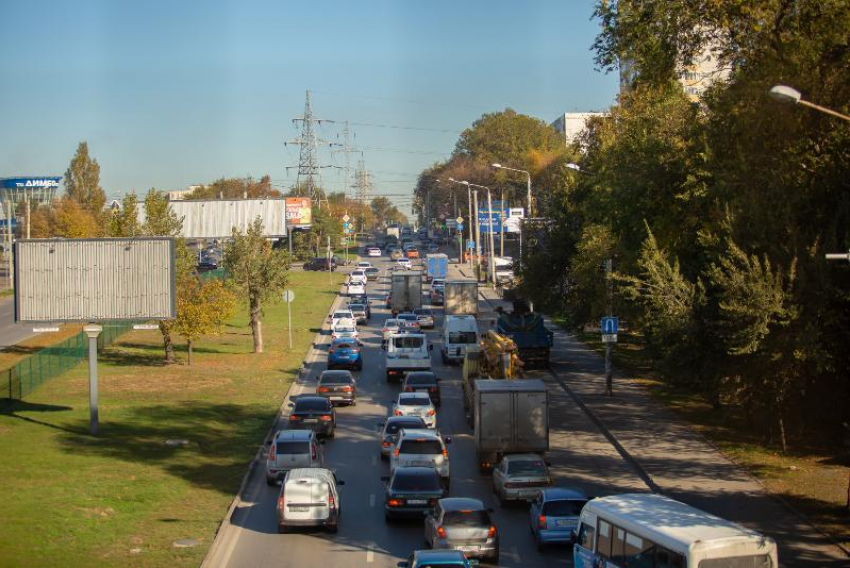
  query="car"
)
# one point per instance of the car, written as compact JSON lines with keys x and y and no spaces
{"x":425,"y":317}
{"x":361,"y":313}
{"x":372,"y":273}
{"x":459,"y":523}
{"x":416,"y":404}
{"x":417,"y":447}
{"x":437,"y":558}
{"x":403,"y":264}
{"x":320,"y":264}
{"x":391,"y":326}
{"x":392,"y":426}
{"x":412,"y":253}
{"x":337,"y":315}
{"x":423,"y":381}
{"x":312,"y":412}
{"x":409,"y":321}
{"x":373,"y":251}
{"x":433,"y":247}
{"x":519,"y":477}
{"x":339,"y":387}
{"x":207,"y":264}
{"x":438,"y":284}
{"x":437,"y":297}
{"x":553,"y":515}
{"x":356,"y":288}
{"x":345,"y":328}
{"x":309,"y":497}
{"x":359,"y":275}
{"x":344,"y":353}
{"x":291,"y":449}
{"x":396,"y":254}
{"x":411,"y":492}
{"x":363,"y":265}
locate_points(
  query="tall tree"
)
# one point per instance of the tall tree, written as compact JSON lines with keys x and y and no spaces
{"x":125,"y":222}
{"x":202,"y":308}
{"x":259,"y":270}
{"x":160,"y":219}
{"x":236,"y":188}
{"x":82,"y":181}
{"x":71,"y":220}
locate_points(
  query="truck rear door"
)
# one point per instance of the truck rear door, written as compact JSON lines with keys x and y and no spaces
{"x":532,"y":421}
{"x":493,"y":425}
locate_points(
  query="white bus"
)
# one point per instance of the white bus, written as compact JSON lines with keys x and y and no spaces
{"x":653,"y":531}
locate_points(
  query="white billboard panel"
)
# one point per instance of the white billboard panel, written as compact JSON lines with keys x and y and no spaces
{"x":92,"y":280}
{"x":216,"y":218}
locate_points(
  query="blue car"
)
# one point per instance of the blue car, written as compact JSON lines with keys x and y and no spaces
{"x":554,"y":515}
{"x":344,"y":353}
{"x":423,"y":558}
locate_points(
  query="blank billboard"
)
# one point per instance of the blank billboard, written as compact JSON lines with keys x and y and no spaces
{"x":91,"y":280}
{"x":216,"y":218}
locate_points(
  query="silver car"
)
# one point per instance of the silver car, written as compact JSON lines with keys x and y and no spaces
{"x":463,"y":524}
{"x":425,"y":317}
{"x":292,"y":449}
{"x":416,"y":404}
{"x":520,"y":477}
{"x":392,"y":426}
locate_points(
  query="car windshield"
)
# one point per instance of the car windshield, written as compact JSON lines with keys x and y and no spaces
{"x":343,"y":346}
{"x":467,"y":518}
{"x":407,"y":317}
{"x":563,"y":507}
{"x":311,"y":404}
{"x":341,"y":315}
{"x":534,"y":468}
{"x":414,"y":400}
{"x":344,"y":329}
{"x":335,"y":378}
{"x":391,"y":323}
{"x":408,"y":342}
{"x":420,"y":379}
{"x":421,"y":447}
{"x":423,"y":312}
{"x":357,"y":307}
{"x":463,"y":337}
{"x":416,"y":481}
{"x":394,"y":427}
{"x":288,"y":447}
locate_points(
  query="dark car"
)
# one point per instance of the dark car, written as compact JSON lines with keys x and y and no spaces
{"x":435,"y":558}
{"x":338,"y":387}
{"x":411,"y":492}
{"x":423,"y":381}
{"x":344,"y":353}
{"x":438,"y":298}
{"x":391,"y":428}
{"x":313,"y":412}
{"x":207,"y":264}
{"x":320,"y":264}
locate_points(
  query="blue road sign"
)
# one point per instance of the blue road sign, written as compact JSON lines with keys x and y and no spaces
{"x":470,"y":245}
{"x":609,"y":326}
{"x":459,"y":226}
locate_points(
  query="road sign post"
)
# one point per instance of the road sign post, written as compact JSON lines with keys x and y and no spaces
{"x":288,"y":297}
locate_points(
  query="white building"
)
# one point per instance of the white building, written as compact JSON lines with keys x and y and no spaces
{"x":180,"y":194}
{"x":571,"y":124}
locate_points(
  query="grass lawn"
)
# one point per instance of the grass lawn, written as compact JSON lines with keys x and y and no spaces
{"x":812,"y":479}
{"x":13,"y":354}
{"x":124,"y":497}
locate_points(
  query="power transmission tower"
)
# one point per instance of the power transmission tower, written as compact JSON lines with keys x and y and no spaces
{"x":362,"y":183}
{"x":346,"y":149}
{"x":309,"y":180}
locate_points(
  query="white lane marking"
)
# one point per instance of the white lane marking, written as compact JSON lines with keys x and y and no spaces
{"x":372,"y":500}
{"x":374,"y":460}
{"x":370,"y":556}
{"x":515,"y":553}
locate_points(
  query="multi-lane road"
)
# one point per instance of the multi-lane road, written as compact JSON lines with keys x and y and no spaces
{"x":581,"y":457}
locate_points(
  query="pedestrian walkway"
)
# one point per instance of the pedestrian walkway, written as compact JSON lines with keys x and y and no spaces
{"x":675,"y":460}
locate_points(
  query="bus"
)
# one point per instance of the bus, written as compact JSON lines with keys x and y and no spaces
{"x":653,"y":531}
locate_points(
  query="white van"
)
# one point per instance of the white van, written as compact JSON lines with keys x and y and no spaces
{"x":309,"y":498}
{"x":459,"y":334}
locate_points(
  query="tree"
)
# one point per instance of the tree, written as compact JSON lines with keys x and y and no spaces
{"x":202,"y":308}
{"x":508,"y":137}
{"x":259,"y":270}
{"x":70,"y":220}
{"x":160,"y":219}
{"x":236,"y":188}
{"x":82,"y":181}
{"x":125,"y":222}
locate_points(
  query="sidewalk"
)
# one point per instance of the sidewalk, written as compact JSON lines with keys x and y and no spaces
{"x":675,"y":460}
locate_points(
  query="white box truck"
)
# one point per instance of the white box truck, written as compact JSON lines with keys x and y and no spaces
{"x":406,"y":290}
{"x":461,"y":297}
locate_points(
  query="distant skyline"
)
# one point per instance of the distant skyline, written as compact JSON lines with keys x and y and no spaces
{"x":170,"y":94}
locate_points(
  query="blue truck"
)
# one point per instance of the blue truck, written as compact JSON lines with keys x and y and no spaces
{"x":533,"y":339}
{"x":437,"y":265}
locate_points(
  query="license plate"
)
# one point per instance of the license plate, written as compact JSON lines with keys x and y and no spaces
{"x":469,"y":548}
{"x":417,"y":502}
{"x":421,"y":464}
{"x":310,"y":420}
{"x":297,"y":509}
{"x":563,"y":523}
{"x":337,"y":398}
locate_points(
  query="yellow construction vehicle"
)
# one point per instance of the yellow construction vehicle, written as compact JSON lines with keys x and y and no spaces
{"x":496,"y":358}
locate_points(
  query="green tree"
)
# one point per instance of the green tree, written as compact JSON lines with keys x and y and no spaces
{"x":509,"y":138}
{"x":258,"y":270}
{"x":184,"y":265}
{"x":236,"y":188}
{"x":160,"y":219}
{"x":82,"y":181}
{"x":202,"y":308}
{"x":125,"y":221}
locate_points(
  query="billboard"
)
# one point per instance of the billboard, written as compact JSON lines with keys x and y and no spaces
{"x":93,"y":280}
{"x":216,"y":218}
{"x":299,"y":211}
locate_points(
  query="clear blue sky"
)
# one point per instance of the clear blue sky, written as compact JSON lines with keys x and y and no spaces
{"x":173,"y":93}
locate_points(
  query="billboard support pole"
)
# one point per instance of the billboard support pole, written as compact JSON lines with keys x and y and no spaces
{"x":502,"y":225}
{"x":93,"y":331}
{"x":9,"y":248}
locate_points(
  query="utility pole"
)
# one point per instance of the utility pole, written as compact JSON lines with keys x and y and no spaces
{"x":470,"y":221}
{"x":492,"y":255}
{"x":502,"y":225}
{"x":477,"y":235}
{"x":609,"y":379}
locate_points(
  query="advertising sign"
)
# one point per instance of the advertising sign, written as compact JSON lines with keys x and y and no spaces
{"x":484,"y":223}
{"x":29,"y":182}
{"x":299,"y":211}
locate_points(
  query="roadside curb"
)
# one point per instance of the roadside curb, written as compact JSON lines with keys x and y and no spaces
{"x":298,"y":380}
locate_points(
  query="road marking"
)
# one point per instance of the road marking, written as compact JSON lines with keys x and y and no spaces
{"x":370,"y":556}
{"x":372,"y":500}
{"x":374,"y":460}
{"x":515,"y":553}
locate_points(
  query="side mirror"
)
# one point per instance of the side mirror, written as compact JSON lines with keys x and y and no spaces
{"x":447,"y":440}
{"x":322,"y":442}
{"x":385,"y":478}
{"x":573,"y":537}
{"x":340,"y":482}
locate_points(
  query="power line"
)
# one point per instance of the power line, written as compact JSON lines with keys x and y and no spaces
{"x":398,"y":127}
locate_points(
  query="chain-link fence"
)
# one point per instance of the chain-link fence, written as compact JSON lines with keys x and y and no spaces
{"x":20,"y":380}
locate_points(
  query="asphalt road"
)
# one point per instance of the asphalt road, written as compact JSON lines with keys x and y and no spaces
{"x":581,"y":457}
{"x":11,"y":333}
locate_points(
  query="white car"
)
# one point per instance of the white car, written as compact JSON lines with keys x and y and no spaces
{"x":358,"y":275}
{"x":373,"y":251}
{"x":415,"y":447}
{"x":416,"y":404}
{"x":344,"y":328}
{"x":403,"y":264}
{"x":356,"y":288}
{"x":309,"y":497}
{"x":520,"y":477}
{"x":363,"y":265}
{"x":341,"y":314}
{"x":391,"y":326}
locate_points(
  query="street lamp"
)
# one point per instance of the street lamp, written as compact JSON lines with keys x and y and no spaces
{"x":492,"y":261}
{"x":786,"y":94}
{"x":528,"y":178}
{"x":469,"y":214}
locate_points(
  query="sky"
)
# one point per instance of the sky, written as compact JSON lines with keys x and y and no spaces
{"x":173,"y":93}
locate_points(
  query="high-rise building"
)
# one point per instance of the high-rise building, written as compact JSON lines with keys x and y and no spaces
{"x":571,"y":124}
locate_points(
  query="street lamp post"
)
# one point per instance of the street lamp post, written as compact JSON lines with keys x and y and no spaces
{"x":528,"y":212}
{"x":786,"y":94}
{"x":469,"y":213}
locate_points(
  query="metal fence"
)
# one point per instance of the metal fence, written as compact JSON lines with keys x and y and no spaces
{"x":20,"y":380}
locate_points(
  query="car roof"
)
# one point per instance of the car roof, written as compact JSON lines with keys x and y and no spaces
{"x":462,"y":504}
{"x":295,"y":435}
{"x":439,"y":556}
{"x":558,"y":493}
{"x":333,"y":373}
{"x":394,"y":419}
{"x":310,"y":472}
{"x":310,"y":398}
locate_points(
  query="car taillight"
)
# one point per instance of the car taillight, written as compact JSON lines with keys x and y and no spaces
{"x":408,"y":389}
{"x":432,"y":502}
{"x":397,"y":413}
{"x":293,"y":417}
{"x":395,"y":502}
{"x":355,"y":351}
{"x":386,"y":444}
{"x":396,"y":452}
{"x":441,"y":532}
{"x":346,"y":389}
{"x":281,"y":502}
{"x":445,"y":453}
{"x":325,"y":417}
{"x":323,"y":389}
{"x":432,"y":389}
{"x":272,"y":452}
{"x":432,"y":412}
{"x":541,"y":521}
{"x":386,"y":329}
{"x":492,"y":532}
{"x":313,"y":452}
{"x":510,"y":485}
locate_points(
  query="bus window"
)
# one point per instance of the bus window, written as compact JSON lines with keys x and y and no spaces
{"x":639,"y":552}
{"x":603,"y":539}
{"x":585,"y":536}
{"x":667,"y":559}
{"x":755,"y":561}
{"x":618,"y":543}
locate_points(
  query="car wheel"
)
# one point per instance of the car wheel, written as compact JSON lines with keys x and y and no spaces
{"x":495,"y":558}
{"x":271,"y":480}
{"x":353,"y":403}
{"x":281,"y":529}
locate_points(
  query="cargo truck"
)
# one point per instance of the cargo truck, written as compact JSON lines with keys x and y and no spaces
{"x":437,"y":265}
{"x":509,"y":417}
{"x":528,"y":331}
{"x":406,"y":290}
{"x":461,"y":297}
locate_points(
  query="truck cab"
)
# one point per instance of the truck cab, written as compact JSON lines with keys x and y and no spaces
{"x":406,"y":352}
{"x":460,"y":333}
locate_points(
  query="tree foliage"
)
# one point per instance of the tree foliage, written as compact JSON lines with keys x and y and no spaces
{"x":82,"y":181}
{"x":202,"y":308}
{"x":236,"y":188}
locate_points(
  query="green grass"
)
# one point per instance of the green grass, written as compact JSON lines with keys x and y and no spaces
{"x":124,"y":497}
